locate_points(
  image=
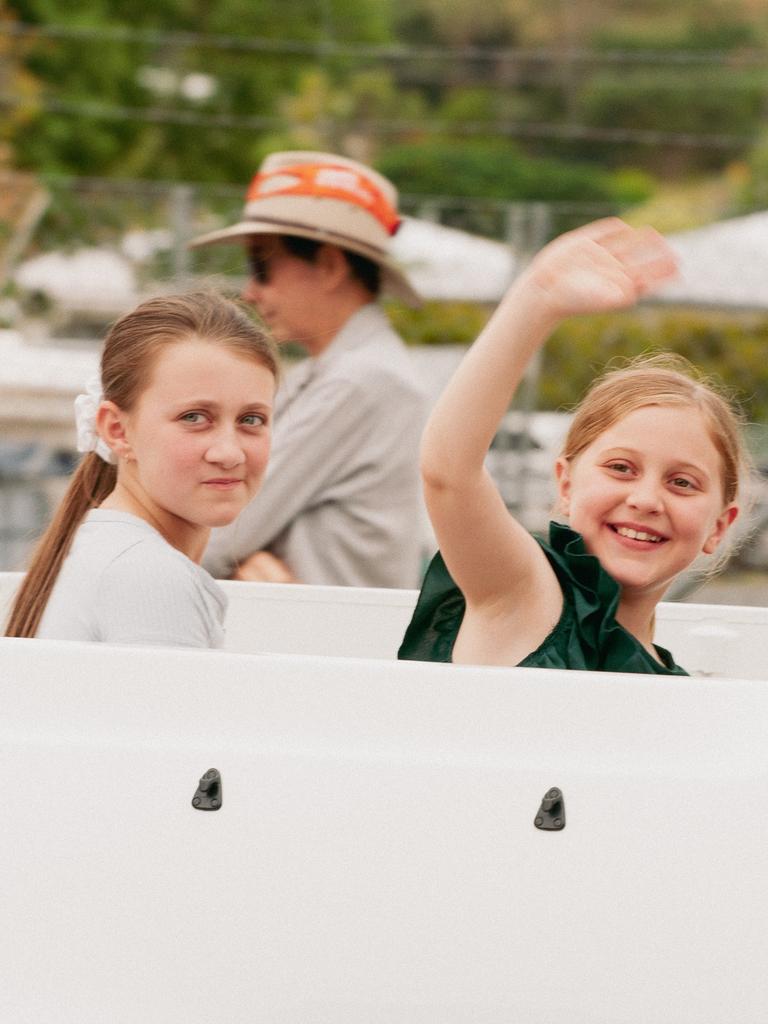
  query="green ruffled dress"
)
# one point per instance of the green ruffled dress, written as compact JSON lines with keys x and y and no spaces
{"x":587,"y":635}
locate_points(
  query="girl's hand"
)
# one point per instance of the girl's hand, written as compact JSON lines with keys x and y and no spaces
{"x":603,"y":266}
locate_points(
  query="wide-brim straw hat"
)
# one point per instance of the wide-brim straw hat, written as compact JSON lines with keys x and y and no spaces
{"x":328,"y":198}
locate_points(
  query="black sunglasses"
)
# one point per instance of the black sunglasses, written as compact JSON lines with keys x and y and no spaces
{"x":258,"y":265}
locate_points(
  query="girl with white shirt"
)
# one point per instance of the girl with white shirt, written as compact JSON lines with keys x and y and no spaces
{"x":177,"y":437}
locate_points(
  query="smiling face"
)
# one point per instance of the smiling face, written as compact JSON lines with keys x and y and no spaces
{"x":194,"y":448}
{"x":647,"y":496}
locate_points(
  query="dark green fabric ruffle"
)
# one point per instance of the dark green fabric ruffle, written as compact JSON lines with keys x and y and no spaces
{"x":587,"y":635}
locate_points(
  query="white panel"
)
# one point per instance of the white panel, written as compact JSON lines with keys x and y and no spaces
{"x":708,"y":639}
{"x":358,"y":622}
{"x":375,"y":858}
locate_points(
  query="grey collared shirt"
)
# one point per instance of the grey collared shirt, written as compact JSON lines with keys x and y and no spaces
{"x":341,"y":502}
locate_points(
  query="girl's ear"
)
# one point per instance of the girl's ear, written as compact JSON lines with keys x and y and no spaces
{"x":722,"y":523}
{"x":111,"y":428}
{"x":563,"y":477}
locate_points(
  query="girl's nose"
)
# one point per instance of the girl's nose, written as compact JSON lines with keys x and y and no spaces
{"x":225,"y":450}
{"x":647,"y":495}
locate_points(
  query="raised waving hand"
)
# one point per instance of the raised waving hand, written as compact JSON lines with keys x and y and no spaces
{"x":601,"y":266}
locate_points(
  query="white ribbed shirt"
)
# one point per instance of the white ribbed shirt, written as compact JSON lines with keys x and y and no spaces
{"x":123,"y":583}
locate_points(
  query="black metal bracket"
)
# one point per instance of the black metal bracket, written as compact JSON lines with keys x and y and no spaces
{"x":208,"y":795}
{"x":551,"y":815}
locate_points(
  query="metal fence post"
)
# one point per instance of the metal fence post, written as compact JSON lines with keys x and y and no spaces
{"x":181,"y":218}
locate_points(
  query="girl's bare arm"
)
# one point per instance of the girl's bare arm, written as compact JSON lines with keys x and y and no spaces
{"x":603,"y":266}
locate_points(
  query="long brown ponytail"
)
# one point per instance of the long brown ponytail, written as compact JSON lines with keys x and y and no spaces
{"x":130,"y":350}
{"x":92,"y":481}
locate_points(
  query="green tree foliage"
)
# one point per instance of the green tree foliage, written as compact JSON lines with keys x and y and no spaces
{"x":754,"y":188}
{"x":439,"y":323}
{"x":112,"y":102}
{"x":457,"y":23}
{"x":720,"y":102}
{"x":344,"y":116}
{"x":176,"y":90}
{"x":500,"y":170}
{"x":719,"y":94}
{"x":15,"y":81}
{"x":187,"y":89}
{"x":618,"y":67}
{"x":731,"y":348}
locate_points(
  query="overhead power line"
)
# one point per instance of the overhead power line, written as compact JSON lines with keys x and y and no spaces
{"x":511,"y":129}
{"x":325,"y":48}
{"x":160,"y":188}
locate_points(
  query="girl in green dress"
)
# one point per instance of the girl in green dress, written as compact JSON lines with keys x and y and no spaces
{"x":648,"y":478}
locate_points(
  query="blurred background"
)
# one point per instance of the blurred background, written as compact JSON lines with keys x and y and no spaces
{"x":127,"y":129}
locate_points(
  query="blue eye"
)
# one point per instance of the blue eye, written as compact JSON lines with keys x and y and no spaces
{"x":254,"y":419}
{"x":192,"y":417}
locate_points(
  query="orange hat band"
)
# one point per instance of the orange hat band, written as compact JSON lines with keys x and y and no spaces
{"x":328,"y":181}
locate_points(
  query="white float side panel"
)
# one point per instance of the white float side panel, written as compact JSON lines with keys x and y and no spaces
{"x":707,"y":639}
{"x":375,"y":857}
{"x":358,"y":622}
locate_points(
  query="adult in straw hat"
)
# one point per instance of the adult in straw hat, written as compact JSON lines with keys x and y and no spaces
{"x":341,"y":501}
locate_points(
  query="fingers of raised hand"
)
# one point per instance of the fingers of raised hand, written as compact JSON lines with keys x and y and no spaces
{"x":643,"y":254}
{"x":629,"y":261}
{"x":601,"y":230}
{"x":601,"y":266}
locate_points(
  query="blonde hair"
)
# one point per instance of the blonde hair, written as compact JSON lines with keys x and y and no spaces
{"x":130,"y":352}
{"x":664,"y":379}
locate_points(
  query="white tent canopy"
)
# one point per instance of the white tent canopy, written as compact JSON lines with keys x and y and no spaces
{"x":723,"y":264}
{"x":447,"y":264}
{"x":90,"y":278}
{"x":38,"y":384}
{"x":443,"y":263}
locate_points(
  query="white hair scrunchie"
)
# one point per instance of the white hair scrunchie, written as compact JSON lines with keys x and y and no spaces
{"x":86,"y":407}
